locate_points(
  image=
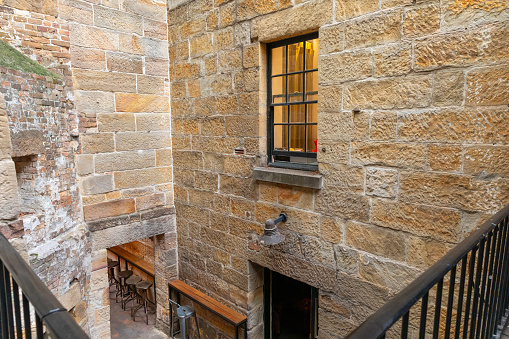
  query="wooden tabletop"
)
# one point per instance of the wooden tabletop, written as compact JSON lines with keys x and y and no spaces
{"x":134,"y":260}
{"x":215,"y":306}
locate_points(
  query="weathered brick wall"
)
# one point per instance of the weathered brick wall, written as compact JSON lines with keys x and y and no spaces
{"x":47,"y":225}
{"x":413,"y":119}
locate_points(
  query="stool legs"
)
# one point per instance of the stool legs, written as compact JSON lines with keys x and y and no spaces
{"x":197,"y":328}
{"x":183,"y":328}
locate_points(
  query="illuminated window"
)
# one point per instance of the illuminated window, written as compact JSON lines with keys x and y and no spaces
{"x":293,"y":98}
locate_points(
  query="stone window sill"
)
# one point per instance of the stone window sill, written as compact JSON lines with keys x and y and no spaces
{"x":288,"y":176}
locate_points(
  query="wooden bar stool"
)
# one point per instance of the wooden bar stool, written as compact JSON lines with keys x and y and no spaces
{"x":142,"y":288}
{"x":111,"y":272}
{"x":122,"y":287}
{"x":131,"y":291}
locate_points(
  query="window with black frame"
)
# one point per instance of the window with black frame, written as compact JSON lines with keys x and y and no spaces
{"x":293,"y":100}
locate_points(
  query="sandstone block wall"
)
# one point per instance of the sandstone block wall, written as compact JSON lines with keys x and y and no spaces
{"x":413,"y":119}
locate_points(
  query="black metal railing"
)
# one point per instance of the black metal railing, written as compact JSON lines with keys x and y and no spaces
{"x":25,"y":300}
{"x":472,"y":306}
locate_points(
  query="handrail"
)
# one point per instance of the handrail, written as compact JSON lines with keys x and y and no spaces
{"x":46,"y":305}
{"x":386,"y":316}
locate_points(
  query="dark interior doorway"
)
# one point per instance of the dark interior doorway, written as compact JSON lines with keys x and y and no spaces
{"x":290,"y":308}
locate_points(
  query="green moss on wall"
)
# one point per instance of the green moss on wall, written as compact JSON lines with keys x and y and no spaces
{"x":14,"y":59}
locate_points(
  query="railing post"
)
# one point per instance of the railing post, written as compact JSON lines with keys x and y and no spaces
{"x":3,"y":303}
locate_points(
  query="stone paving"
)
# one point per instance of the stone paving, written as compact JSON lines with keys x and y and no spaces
{"x":123,"y":327}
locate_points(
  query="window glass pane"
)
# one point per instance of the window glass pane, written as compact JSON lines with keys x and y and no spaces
{"x":312,"y":54}
{"x":295,"y":88}
{"x":295,"y":57}
{"x":312,"y":86}
{"x":279,"y":89}
{"x":312,"y":138}
{"x":312,"y":113}
{"x":297,"y":113}
{"x":281,"y":137}
{"x":297,"y":138}
{"x":280,"y":114}
{"x":279,"y":60}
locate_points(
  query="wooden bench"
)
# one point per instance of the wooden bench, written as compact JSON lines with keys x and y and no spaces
{"x":137,"y":262}
{"x":226,"y":313}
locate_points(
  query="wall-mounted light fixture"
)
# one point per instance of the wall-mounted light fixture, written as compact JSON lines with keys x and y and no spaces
{"x":271,"y":235}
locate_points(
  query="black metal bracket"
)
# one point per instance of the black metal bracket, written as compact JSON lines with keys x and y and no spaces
{"x":61,"y":309}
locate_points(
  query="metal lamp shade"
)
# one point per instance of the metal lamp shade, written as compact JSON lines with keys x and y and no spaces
{"x":271,"y":235}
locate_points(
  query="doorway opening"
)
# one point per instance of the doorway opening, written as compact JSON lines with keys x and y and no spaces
{"x":291,"y":308}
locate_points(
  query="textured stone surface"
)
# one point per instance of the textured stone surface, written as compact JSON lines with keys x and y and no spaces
{"x":390,"y":154}
{"x":421,"y":21}
{"x":142,"y":177}
{"x":409,"y":92}
{"x":381,"y":182}
{"x":392,"y":60}
{"x":9,"y":199}
{"x":373,"y":30}
{"x":488,"y":86}
{"x":350,"y":8}
{"x":345,"y":66}
{"x":375,"y":240}
{"x":97,"y":184}
{"x":27,"y":143}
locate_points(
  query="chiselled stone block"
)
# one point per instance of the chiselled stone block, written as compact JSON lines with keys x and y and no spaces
{"x":27,"y":143}
{"x":9,"y":197}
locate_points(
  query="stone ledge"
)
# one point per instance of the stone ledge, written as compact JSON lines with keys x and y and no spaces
{"x":132,"y":218}
{"x":288,"y":177}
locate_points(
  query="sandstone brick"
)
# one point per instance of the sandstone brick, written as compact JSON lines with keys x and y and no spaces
{"x":330,"y":98}
{"x":137,"y":192}
{"x":454,"y":191}
{"x":336,"y":152}
{"x":186,"y":71}
{"x":487,"y":160}
{"x":150,"y":201}
{"x":318,"y":251}
{"x":88,"y":58}
{"x":392,"y":60}
{"x":251,"y":55}
{"x":335,"y":126}
{"x":488,"y":86}
{"x":118,"y":20}
{"x":94,"y":102}
{"x":228,"y":15}
{"x":201,"y":45}
{"x":381,"y":182}
{"x":332,"y":39}
{"x":408,"y":92}
{"x":297,"y":197}
{"x":97,"y":184}
{"x":385,"y":273}
{"x":245,"y":209}
{"x":103,"y":81}
{"x":85,"y":164}
{"x":98,"y":143}
{"x":188,"y":159}
{"x":248,"y":9}
{"x":78,"y":11}
{"x":342,"y":177}
{"x":243,"y":126}
{"x":247,"y":102}
{"x":210,"y":64}
{"x":191,"y":27}
{"x":347,"y":205}
{"x":459,"y":13}
{"x":141,"y":103}
{"x":157,"y":67}
{"x":421,"y":21}
{"x":150,"y":85}
{"x":124,"y":161}
{"x":152,"y":9}
{"x":332,"y":229}
{"x":448,"y":88}
{"x":9,"y":199}
{"x":212,"y":20}
{"x":153,"y":122}
{"x":44,"y":7}
{"x":223,"y":39}
{"x":238,"y":165}
{"x":383,"y":126}
{"x":92,"y":37}
{"x":149,"y":47}
{"x":302,"y":19}
{"x":193,"y":88}
{"x":229,"y":60}
{"x":116,"y":122}
{"x":139,"y":140}
{"x":142,"y":177}
{"x":351,"y":8}
{"x":191,"y":126}
{"x":375,"y":240}
{"x":108,"y":209}
{"x":337,"y":68}
{"x":155,"y":29}
{"x":237,"y":186}
{"x":373,"y":30}
{"x":440,"y":223}
{"x":389,"y":154}
{"x":456,"y":125}
{"x":444,"y":158}
{"x":206,"y":180}
{"x":423,"y":253}
{"x":125,"y":63}
{"x":218,"y":239}
{"x":462,"y":49}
